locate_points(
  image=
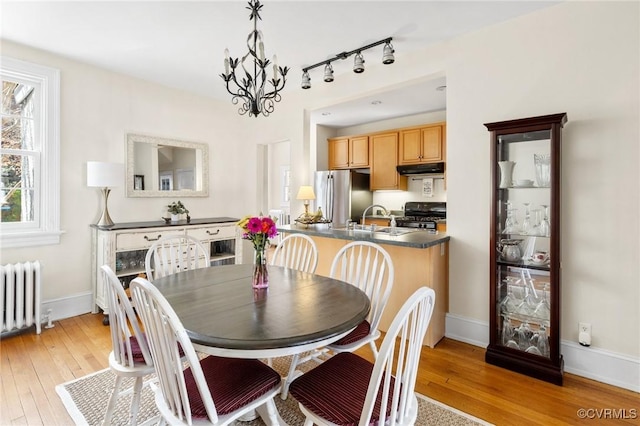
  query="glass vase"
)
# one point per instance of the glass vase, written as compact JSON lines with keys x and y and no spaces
{"x":260,"y":273}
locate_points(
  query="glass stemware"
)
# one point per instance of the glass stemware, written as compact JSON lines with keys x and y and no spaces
{"x":526,"y":223}
{"x":509,"y":303}
{"x":507,"y":333}
{"x":511,"y":225}
{"x":524,"y":334}
{"x":545,"y":227}
{"x":537,"y":214}
{"x":543,"y":341}
{"x":543,"y":310}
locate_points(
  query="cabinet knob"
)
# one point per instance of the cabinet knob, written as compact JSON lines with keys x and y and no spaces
{"x":153,"y":239}
{"x":213,"y":233}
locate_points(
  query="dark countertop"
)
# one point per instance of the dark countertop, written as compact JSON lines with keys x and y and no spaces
{"x":162,"y":223}
{"x":416,"y":239}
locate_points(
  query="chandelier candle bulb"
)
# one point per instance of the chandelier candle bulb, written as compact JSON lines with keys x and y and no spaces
{"x":275,"y":67}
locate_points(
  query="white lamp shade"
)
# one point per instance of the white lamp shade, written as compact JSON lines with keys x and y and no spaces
{"x":306,"y":193}
{"x":104,"y":175}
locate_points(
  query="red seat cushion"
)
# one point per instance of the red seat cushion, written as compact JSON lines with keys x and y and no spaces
{"x":138,"y":356}
{"x":233,"y":383}
{"x":336,"y":389}
{"x":135,"y":349}
{"x":358,"y":333}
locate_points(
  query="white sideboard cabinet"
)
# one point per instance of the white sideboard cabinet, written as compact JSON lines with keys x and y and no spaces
{"x":124,"y":246}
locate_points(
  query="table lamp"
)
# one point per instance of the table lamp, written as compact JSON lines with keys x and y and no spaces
{"x":306,"y":193}
{"x":105,"y":176}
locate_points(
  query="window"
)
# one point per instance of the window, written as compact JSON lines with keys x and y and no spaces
{"x":30,"y":181}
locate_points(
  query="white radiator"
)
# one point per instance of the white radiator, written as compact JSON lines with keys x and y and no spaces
{"x":20,"y":296}
{"x":282,"y":218}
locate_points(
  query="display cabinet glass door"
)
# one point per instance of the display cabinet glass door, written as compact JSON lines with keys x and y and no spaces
{"x":525,"y":245}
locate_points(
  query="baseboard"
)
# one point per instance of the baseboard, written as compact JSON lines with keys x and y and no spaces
{"x":67,"y":307}
{"x":593,"y":363}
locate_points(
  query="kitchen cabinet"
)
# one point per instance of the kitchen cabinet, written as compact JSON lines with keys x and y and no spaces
{"x":349,"y":153}
{"x":124,"y":246}
{"x":425,"y":144}
{"x":525,"y":263}
{"x":384,"y":159}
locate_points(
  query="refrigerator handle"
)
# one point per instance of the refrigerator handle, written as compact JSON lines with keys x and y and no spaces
{"x":329,"y":198}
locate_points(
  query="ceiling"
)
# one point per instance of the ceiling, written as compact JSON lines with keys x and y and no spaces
{"x":180,"y":44}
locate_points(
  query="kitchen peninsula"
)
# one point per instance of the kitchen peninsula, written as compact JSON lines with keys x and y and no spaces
{"x":420,"y":258}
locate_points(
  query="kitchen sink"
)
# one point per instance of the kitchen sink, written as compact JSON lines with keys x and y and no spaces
{"x":396,"y":231}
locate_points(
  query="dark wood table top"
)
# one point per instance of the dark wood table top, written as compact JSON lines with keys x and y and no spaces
{"x":299,"y":311}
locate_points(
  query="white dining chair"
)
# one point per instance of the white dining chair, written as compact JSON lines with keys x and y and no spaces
{"x":369,"y":267}
{"x":296,"y":251}
{"x":173,"y":254}
{"x":130,"y":356}
{"x":349,"y":390}
{"x":212,"y":390}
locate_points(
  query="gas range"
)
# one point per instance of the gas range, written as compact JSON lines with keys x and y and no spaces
{"x":420,"y":214}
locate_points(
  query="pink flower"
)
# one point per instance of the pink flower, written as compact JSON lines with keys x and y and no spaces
{"x":258,"y":229}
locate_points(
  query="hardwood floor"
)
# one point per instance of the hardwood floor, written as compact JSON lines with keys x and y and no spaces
{"x":454,"y":373}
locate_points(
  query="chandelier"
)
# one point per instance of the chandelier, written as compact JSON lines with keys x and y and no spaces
{"x":248,"y":87}
{"x":358,"y":63}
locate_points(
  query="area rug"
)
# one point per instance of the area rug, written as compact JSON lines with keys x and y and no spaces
{"x":86,"y":401}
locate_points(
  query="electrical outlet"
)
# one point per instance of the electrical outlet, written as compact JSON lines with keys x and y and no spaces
{"x":584,"y":334}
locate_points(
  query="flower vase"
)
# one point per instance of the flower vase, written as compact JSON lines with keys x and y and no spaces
{"x":506,"y":173}
{"x":260,"y":272}
{"x":175,"y":217}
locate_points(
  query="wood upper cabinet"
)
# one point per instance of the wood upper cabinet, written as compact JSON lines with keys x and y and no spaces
{"x":349,"y":153}
{"x":422,"y":145}
{"x":384,"y":159}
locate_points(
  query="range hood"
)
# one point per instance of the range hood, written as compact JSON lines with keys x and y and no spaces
{"x":421,"y":169}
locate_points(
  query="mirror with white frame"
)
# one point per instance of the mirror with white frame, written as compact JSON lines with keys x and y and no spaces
{"x":160,"y":167}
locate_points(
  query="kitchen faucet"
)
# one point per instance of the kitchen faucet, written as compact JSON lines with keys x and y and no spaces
{"x":364,"y":214}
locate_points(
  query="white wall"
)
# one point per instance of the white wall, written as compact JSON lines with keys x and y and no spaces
{"x":98,"y":108}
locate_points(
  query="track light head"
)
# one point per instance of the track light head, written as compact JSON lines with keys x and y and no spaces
{"x":328,"y":73}
{"x":387,"y":54}
{"x":306,"y":80}
{"x":358,"y":63}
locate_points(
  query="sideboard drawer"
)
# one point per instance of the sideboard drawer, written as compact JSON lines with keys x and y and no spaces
{"x":143,"y":240}
{"x":213,"y":232}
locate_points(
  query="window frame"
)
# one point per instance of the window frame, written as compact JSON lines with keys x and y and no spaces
{"x":47,"y":229}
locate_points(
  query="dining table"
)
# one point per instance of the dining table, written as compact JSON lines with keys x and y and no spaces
{"x":298,"y":312}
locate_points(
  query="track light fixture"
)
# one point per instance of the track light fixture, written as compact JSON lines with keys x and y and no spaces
{"x":358,"y":62}
{"x":387,"y":54}
{"x":306,"y":80}
{"x":328,"y":73}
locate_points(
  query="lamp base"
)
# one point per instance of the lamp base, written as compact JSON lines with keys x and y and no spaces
{"x":105,"y":220}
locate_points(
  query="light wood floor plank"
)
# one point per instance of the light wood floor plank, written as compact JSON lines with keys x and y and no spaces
{"x":454,"y":373}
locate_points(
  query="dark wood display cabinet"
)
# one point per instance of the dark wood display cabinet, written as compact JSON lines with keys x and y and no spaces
{"x":525,"y":246}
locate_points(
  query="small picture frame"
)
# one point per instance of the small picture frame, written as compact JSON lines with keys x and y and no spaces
{"x":138,"y":182}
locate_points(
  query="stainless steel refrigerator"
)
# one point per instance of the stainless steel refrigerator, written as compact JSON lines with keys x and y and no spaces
{"x":342,"y":195}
